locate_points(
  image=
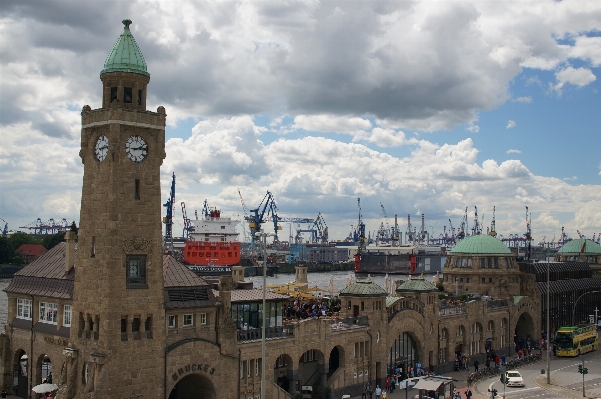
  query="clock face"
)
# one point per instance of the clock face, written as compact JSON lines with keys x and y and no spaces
{"x":136,"y":148}
{"x":102,"y":148}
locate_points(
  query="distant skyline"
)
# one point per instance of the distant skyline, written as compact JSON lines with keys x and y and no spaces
{"x":424,"y":107}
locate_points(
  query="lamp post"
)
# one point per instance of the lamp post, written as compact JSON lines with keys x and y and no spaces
{"x":264,"y":236}
{"x":576,"y":302}
{"x":548,"y":319}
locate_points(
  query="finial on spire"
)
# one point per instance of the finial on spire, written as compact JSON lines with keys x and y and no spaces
{"x":127,"y":22}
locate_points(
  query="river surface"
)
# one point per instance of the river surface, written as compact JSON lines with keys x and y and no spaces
{"x":320,"y":280}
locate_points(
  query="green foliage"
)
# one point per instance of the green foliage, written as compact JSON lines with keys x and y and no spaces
{"x":17,"y":259}
{"x":441,"y":296}
{"x":18,"y":239}
{"x":74,"y":227}
{"x":53,"y":240}
{"x":463,"y":297}
{"x":299,"y":395}
{"x":6,"y":250}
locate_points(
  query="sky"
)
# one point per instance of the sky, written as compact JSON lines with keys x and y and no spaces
{"x":413,"y":106}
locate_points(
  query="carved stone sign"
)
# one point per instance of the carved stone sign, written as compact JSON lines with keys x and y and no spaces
{"x":192,"y":367}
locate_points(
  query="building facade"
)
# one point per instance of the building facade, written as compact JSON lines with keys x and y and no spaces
{"x":116,"y":318}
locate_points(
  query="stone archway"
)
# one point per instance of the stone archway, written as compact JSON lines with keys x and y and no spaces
{"x":443,"y":353}
{"x":197,"y":386}
{"x":524,"y":331}
{"x":44,"y":368}
{"x":313,"y":371}
{"x":460,"y":337}
{"x":336,"y":359}
{"x":283,"y":374}
{"x":404,"y":353}
{"x":21,"y":374}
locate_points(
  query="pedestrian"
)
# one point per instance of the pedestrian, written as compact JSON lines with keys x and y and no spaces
{"x":554,"y":349}
{"x":503,"y":360}
{"x":387,"y":384}
{"x":476,"y":364}
{"x":49,"y":378}
{"x":368,"y":390}
{"x":384,"y":395}
{"x":3,"y":394}
{"x":392,"y":383}
{"x":487,"y":363}
{"x":364,"y":392}
{"x":468,"y":393}
{"x":378,"y":392}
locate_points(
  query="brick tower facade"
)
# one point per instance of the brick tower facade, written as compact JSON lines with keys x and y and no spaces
{"x":118,"y":315}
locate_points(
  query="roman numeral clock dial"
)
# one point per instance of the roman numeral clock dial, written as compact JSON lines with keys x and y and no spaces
{"x":136,"y":148}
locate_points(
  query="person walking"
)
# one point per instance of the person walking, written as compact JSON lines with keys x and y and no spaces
{"x":503,"y":360}
{"x":378,"y":392}
{"x":392,"y":383}
{"x":364,"y":392}
{"x":387,"y":384}
{"x":476,"y":364}
{"x":468,"y":393}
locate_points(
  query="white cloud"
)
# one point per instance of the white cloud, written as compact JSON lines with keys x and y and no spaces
{"x":526,"y":100}
{"x":514,"y":151}
{"x":576,"y":76}
{"x":473,"y":128}
{"x":587,"y":48}
{"x":511,"y":124}
{"x":387,"y":137}
{"x":332,"y":123}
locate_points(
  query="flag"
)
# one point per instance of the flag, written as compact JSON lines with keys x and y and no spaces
{"x":583,"y":245}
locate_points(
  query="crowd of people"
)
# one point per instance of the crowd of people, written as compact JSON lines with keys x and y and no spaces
{"x":304,"y":309}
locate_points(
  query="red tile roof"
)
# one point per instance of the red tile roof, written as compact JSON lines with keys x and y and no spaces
{"x":31,"y":249}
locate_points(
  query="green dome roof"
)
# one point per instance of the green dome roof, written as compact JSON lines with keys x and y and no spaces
{"x":416,"y":284}
{"x":125,"y":55}
{"x":481,"y":244}
{"x":363,"y":287}
{"x":576,"y":246}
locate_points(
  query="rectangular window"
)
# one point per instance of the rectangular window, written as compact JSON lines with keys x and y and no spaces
{"x":257,"y":367}
{"x":482,"y":263}
{"x":113,"y":94}
{"x":490,"y":280}
{"x":137,"y":189}
{"x":67,"y":316}
{"x":467,"y":280}
{"x":203,"y":319}
{"x":135,"y":266}
{"x":135,"y":325}
{"x":187,"y":320}
{"x":139,"y":97}
{"x":24,"y":309}
{"x":483,"y":280}
{"x":248,"y":363}
{"x":127,"y":95}
{"x":241,"y":369}
{"x":172,"y":321}
{"x":93,"y":249}
{"x":48,"y":312}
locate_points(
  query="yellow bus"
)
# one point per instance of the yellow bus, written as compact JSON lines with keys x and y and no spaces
{"x":574,"y":340}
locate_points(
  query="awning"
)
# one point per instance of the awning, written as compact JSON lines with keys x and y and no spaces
{"x":428,"y":385}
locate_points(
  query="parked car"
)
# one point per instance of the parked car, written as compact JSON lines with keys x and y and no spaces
{"x":514,"y":379}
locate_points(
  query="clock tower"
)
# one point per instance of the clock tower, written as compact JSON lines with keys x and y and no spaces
{"x":118,"y":315}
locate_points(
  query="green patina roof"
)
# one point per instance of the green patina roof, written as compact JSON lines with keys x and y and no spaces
{"x":416,"y":284}
{"x":391,"y":300}
{"x":481,"y":244}
{"x":575,"y":246}
{"x":363,"y":287}
{"x":125,"y":55}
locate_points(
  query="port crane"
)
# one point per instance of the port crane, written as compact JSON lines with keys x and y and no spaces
{"x":318,"y":230}
{"x":528,"y":235}
{"x":245,"y":210}
{"x":268,"y":210}
{"x":477,"y":229}
{"x":410,"y":234}
{"x":493,"y":224}
{"x":360,"y":231}
{"x":463,"y":227}
{"x":168,"y":219}
{"x":49,"y":227}
{"x":188,"y":228}
{"x":5,"y":229}
{"x":384,"y":234}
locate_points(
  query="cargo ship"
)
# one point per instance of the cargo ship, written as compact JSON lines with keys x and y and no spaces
{"x":213,"y":242}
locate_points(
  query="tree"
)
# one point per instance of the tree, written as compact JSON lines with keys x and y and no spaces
{"x":6,"y":250}
{"x":53,"y":240}
{"x":18,"y":239}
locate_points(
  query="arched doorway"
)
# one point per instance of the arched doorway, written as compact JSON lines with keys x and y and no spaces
{"x":282,"y":373}
{"x":403,"y":355}
{"x":45,"y":367}
{"x":336,"y":360}
{"x":312,"y":372}
{"x":524,"y":331}
{"x":443,"y":353}
{"x":195,"y":386}
{"x":20,"y":374}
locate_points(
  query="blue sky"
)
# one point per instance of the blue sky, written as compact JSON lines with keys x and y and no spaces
{"x":426,"y":107}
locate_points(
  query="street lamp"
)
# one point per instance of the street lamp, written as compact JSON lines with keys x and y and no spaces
{"x":576,"y":302}
{"x":548,"y":320}
{"x":264,"y":236}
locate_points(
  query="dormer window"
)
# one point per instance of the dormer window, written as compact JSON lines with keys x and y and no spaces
{"x":127,"y":95}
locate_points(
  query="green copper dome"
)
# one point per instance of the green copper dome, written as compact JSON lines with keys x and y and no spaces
{"x":125,"y":55}
{"x":363,"y":287}
{"x":580,"y":245}
{"x":417,"y":284}
{"x":481,"y":244}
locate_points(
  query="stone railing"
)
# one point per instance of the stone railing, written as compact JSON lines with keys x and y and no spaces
{"x":497,"y":303}
{"x":349,"y":322}
{"x":255,"y":334}
{"x":452,"y":310}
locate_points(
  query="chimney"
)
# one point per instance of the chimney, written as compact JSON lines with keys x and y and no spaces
{"x":69,"y":251}
{"x":238,"y":273}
